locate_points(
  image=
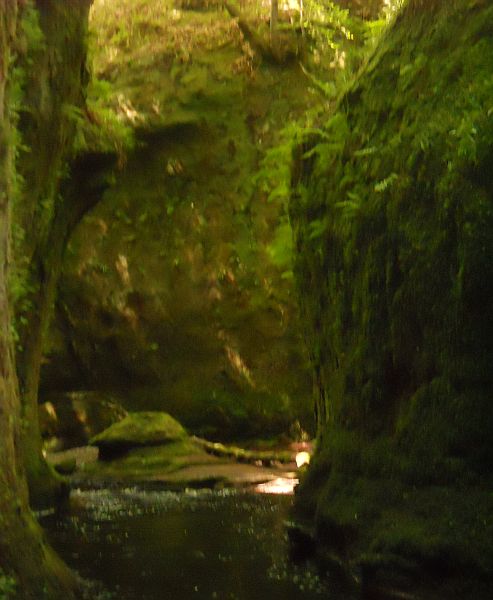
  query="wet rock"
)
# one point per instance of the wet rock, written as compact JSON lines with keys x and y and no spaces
{"x":302,"y":543}
{"x":73,"y":418}
{"x":66,"y":467}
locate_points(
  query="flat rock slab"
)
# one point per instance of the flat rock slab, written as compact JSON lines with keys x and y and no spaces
{"x":178,"y":464}
{"x":83,"y":455}
{"x":230,"y":474}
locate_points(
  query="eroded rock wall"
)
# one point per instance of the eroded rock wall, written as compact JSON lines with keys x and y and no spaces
{"x":169,"y":295}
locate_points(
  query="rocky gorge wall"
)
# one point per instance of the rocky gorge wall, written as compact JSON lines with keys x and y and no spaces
{"x":169,"y":295}
{"x":393,"y":213}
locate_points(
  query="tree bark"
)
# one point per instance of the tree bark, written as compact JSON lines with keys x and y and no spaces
{"x":78,"y":194}
{"x":274,"y":18}
{"x":55,"y":87}
{"x":24,"y":555}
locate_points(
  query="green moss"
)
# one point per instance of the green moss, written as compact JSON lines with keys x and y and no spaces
{"x":394,"y":231}
{"x":138,"y":429}
{"x":141,"y":464}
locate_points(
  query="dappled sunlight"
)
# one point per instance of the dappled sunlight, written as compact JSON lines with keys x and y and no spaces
{"x":237,"y":235}
{"x":126,"y":109}
{"x":121,"y":265}
{"x":235,"y":360}
{"x":238,"y":364}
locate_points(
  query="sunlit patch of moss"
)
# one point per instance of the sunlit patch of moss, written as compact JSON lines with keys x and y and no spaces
{"x":150,"y":54}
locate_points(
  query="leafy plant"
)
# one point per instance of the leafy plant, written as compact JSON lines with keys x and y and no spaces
{"x":100,"y":126}
{"x":281,"y":249}
{"x":8,"y":586}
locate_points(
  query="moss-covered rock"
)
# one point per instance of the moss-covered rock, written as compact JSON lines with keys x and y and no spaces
{"x":138,"y":429}
{"x":394,"y":220}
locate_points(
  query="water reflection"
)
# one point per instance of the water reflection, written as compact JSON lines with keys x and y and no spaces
{"x":178,"y":546}
{"x":281,"y":485}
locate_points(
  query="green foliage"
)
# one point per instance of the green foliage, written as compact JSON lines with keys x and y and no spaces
{"x":317,"y":228}
{"x":381,"y":186}
{"x":8,"y":586}
{"x":99,"y":127}
{"x":32,"y":42}
{"x":274,"y":179}
{"x":336,"y":44}
{"x":281,"y":249}
{"x":274,"y":176}
{"x":31,"y":30}
{"x":329,"y":30}
{"x":327,"y":25}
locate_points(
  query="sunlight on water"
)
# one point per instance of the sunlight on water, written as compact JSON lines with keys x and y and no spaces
{"x":302,"y":458}
{"x":281,"y":485}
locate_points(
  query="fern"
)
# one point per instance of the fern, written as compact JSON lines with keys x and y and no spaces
{"x":381,"y":186}
{"x":317,"y":228}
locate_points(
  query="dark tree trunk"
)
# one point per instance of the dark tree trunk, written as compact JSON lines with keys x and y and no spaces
{"x":78,"y":195}
{"x":50,"y":208}
{"x":24,"y":556}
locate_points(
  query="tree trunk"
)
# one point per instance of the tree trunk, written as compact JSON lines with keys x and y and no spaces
{"x":78,"y":194}
{"x":24,"y":555}
{"x":56,"y":78}
{"x":274,"y":18}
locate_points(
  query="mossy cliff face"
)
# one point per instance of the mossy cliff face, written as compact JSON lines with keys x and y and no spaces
{"x":169,"y":294}
{"x":394,"y":223}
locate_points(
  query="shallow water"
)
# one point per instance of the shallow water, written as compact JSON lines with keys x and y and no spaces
{"x":194,"y":544}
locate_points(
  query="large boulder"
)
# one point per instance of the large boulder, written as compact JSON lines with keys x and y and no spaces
{"x":136,"y":430}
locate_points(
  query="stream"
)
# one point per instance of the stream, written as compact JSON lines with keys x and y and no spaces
{"x":201,"y":544}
